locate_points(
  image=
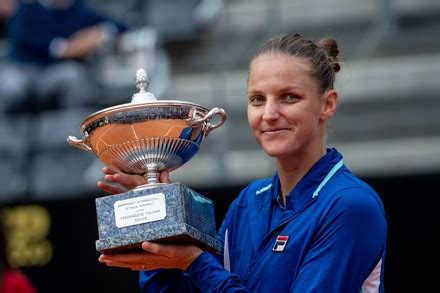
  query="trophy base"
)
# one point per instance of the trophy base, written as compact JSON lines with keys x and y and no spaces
{"x":162,"y":212}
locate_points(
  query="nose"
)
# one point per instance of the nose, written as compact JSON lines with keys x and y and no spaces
{"x":271,"y":111}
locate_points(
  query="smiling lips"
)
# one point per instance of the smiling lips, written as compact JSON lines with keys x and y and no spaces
{"x":274,"y":130}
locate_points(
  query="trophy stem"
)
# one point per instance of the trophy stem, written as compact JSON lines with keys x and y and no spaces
{"x":152,"y":175}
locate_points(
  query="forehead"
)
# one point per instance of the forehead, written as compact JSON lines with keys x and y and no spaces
{"x":271,"y":58}
{"x":279,"y":68}
{"x":271,"y":62}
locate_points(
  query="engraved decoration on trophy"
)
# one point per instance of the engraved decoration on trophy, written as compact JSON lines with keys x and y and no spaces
{"x":146,"y":137}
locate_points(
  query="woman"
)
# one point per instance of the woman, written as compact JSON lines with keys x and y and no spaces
{"x":312,"y":227}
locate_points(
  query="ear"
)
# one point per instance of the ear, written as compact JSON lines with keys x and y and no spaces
{"x":329,"y":105}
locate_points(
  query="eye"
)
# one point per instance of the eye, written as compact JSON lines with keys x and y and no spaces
{"x":257,"y":100}
{"x":290,"y":98}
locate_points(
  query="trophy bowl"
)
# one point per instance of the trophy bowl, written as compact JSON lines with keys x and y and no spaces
{"x":146,"y":137}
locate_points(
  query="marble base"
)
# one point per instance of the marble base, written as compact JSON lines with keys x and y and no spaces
{"x":162,"y":212}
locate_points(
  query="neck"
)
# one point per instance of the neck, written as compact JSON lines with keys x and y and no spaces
{"x":292,"y":169}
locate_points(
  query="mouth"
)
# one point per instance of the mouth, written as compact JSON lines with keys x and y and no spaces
{"x":275,"y":130}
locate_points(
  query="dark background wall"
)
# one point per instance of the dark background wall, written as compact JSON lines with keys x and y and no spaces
{"x":411,"y":205}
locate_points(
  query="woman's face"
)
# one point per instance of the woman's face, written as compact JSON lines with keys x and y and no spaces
{"x":286,"y":112}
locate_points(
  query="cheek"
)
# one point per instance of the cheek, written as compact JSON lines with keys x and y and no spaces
{"x":310,"y":114}
{"x":252,"y":118}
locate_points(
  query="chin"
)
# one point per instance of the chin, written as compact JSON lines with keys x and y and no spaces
{"x":275,"y":153}
{"x":270,"y":149}
{"x":280,"y":151}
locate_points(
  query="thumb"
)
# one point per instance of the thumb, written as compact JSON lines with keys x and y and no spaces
{"x":165,"y":177}
{"x":151,"y":247}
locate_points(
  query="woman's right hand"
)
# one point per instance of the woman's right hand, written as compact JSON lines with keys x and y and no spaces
{"x":117,"y":182}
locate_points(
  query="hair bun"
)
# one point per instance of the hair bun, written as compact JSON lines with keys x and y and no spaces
{"x":330,"y":47}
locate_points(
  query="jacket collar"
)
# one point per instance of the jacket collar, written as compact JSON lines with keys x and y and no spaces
{"x":302,"y":193}
{"x":261,"y":204}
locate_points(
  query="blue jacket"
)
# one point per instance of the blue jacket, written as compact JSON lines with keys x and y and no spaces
{"x":33,"y":27}
{"x":330,"y":237}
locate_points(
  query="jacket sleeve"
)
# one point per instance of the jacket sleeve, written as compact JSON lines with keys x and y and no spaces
{"x":349,"y":246}
{"x":205,"y":274}
{"x":208,"y":273}
{"x":165,"y":281}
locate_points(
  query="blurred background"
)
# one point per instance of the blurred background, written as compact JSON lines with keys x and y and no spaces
{"x":387,"y":126}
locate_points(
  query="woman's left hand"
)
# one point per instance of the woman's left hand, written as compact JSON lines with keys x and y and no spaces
{"x":154,"y":256}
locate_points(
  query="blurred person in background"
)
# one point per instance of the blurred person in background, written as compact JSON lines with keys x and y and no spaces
{"x":313,"y":227}
{"x":11,"y":280}
{"x":50,"y":44}
{"x":6,"y":10}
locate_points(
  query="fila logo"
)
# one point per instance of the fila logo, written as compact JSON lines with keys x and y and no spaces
{"x":280,"y":243}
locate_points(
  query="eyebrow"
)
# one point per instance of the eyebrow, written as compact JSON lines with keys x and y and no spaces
{"x":248,"y":91}
{"x":284,"y":89}
{"x":290,"y":88}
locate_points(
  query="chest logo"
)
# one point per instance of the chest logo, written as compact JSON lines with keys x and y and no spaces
{"x":280,"y":243}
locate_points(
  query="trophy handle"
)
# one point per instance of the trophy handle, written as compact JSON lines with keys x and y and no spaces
{"x":209,"y":126}
{"x":80,"y":143}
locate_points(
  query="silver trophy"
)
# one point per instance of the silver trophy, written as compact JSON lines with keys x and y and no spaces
{"x":146,"y":137}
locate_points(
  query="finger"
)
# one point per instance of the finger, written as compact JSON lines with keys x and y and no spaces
{"x":110,"y":178}
{"x":135,"y":265}
{"x":154,"y":248}
{"x":108,"y":171}
{"x":110,"y":188}
{"x":112,"y":263}
{"x":133,"y":257}
{"x":129,"y":180}
{"x":125,"y":180}
{"x":132,"y":266}
{"x":164,"y":177}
